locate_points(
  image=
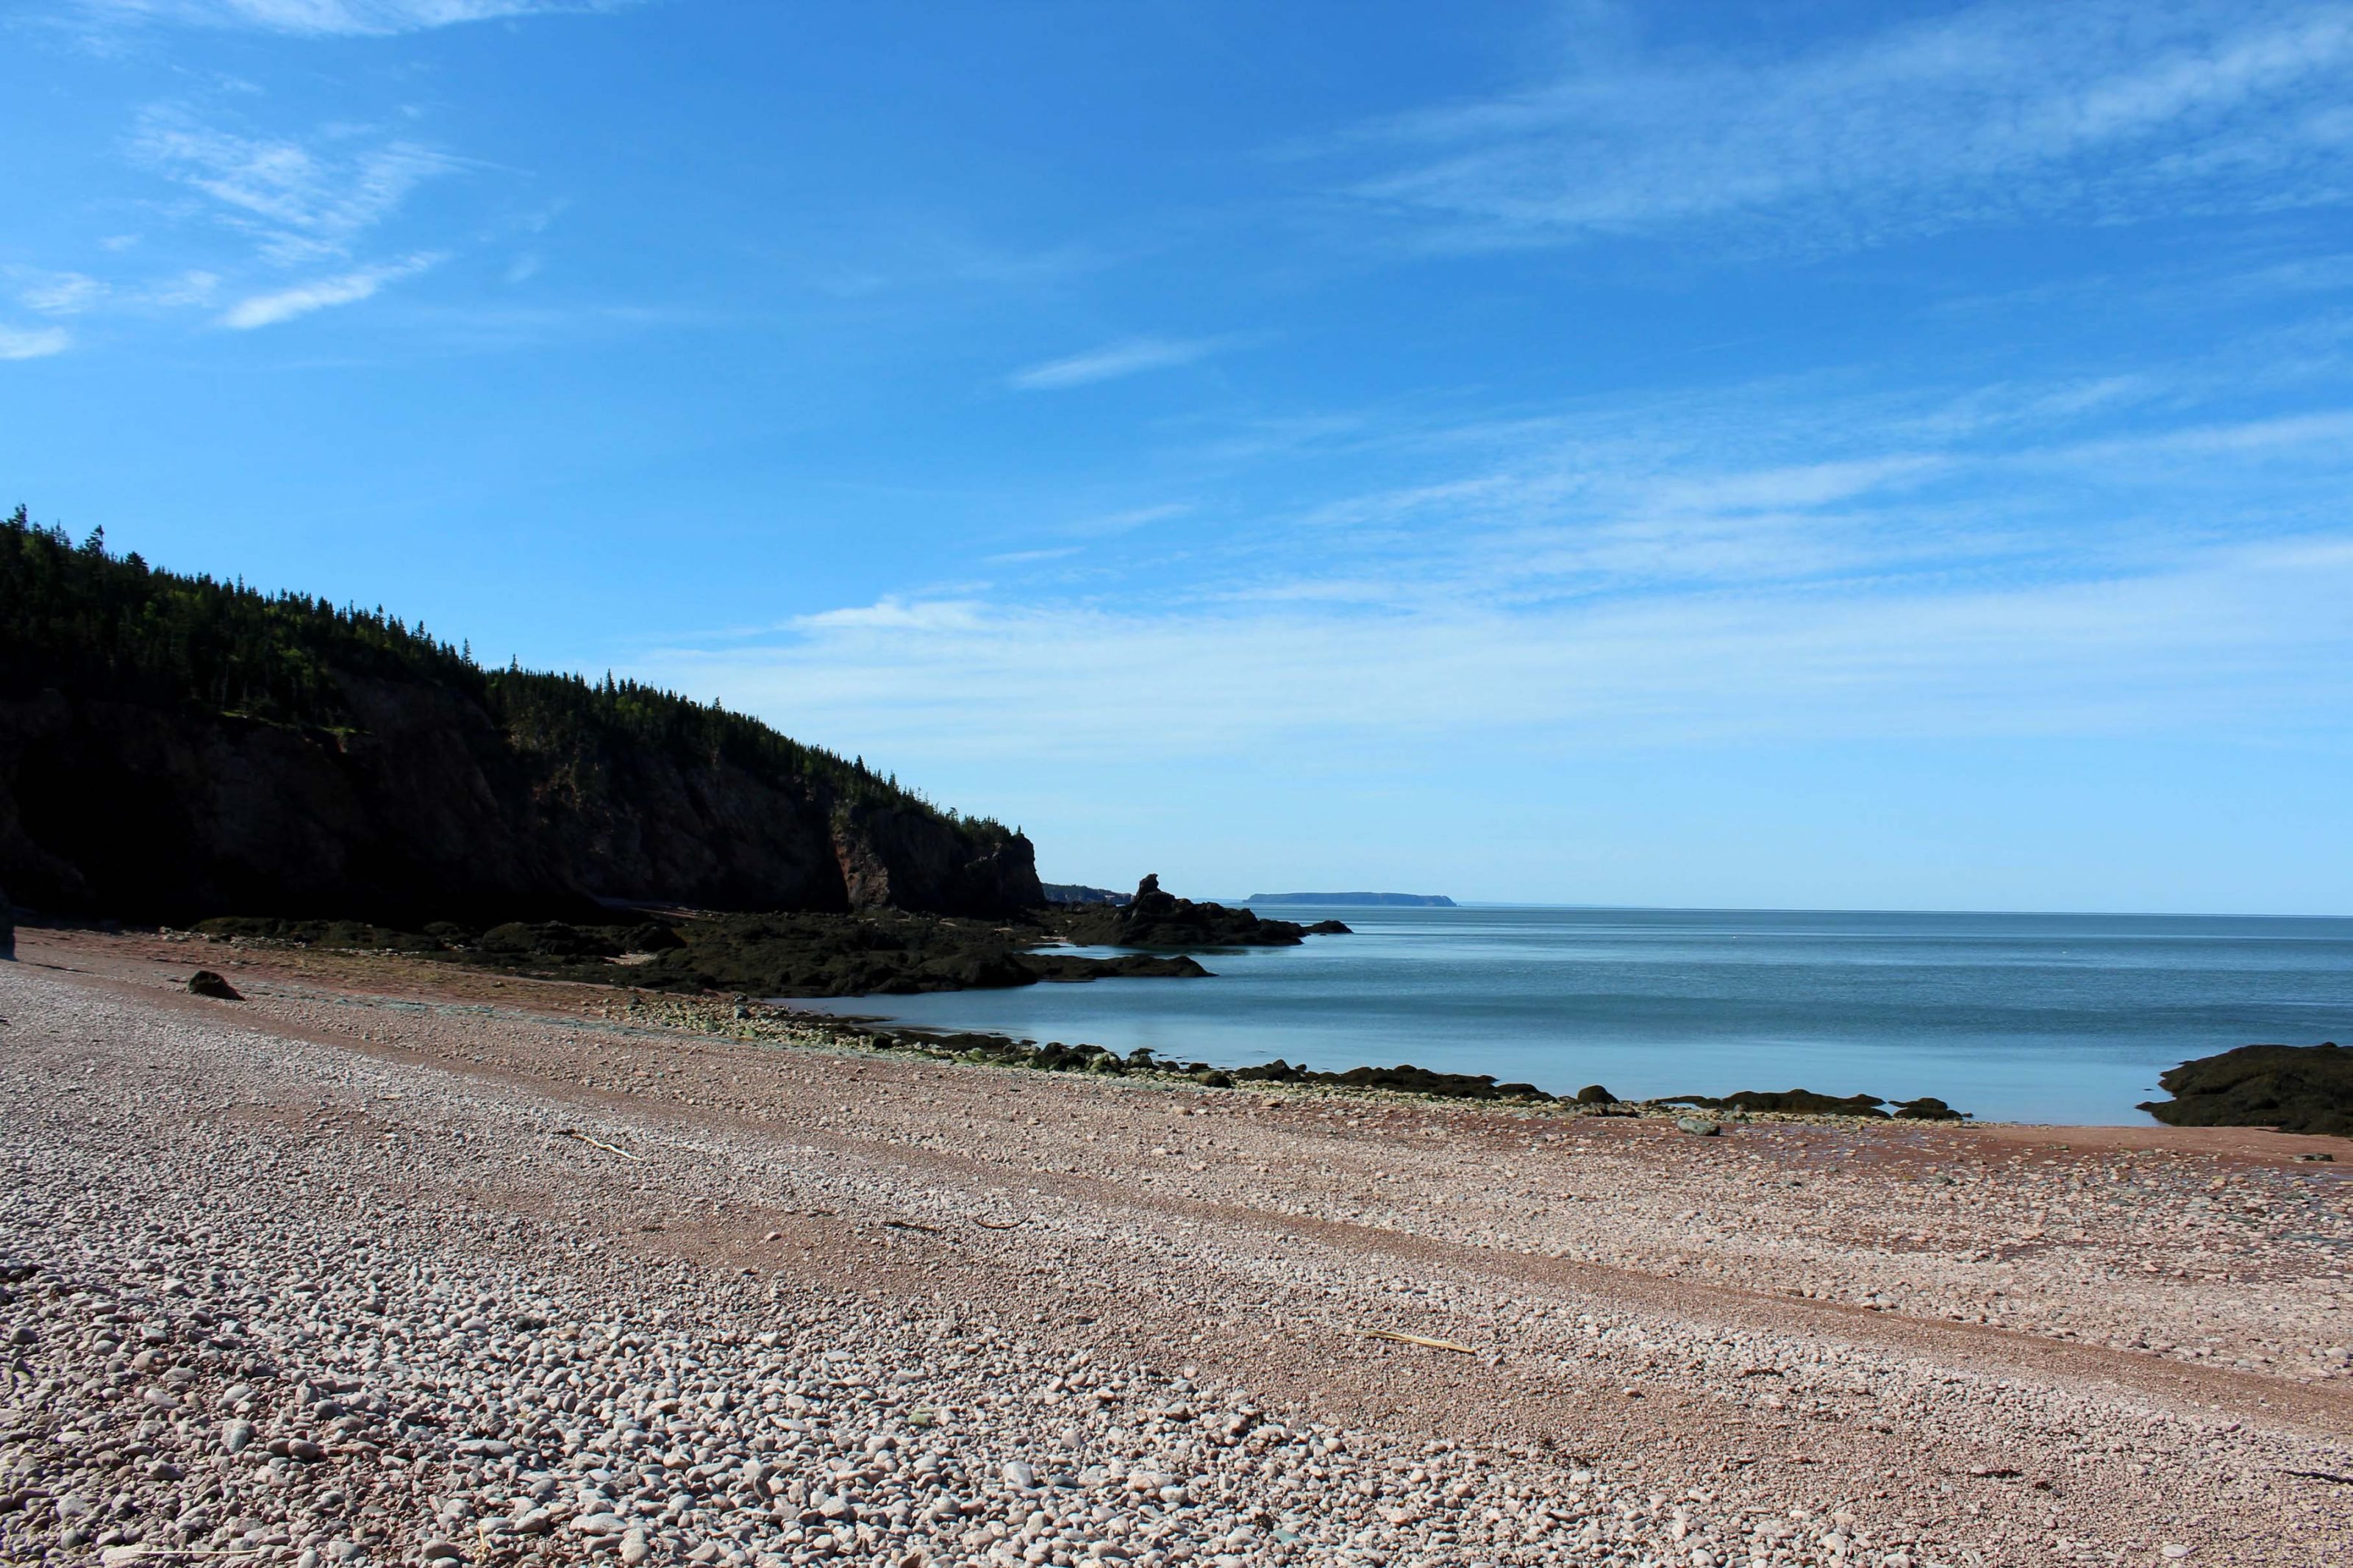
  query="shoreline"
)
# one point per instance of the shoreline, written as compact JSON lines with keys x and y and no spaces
{"x":1531,"y":1339}
{"x":921,"y":1014}
{"x":1562,"y":1104}
{"x":844,"y":1030}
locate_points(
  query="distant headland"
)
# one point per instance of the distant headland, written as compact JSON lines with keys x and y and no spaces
{"x":1401,"y":900}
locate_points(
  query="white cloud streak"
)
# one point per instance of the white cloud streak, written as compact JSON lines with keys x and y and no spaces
{"x":61,"y":293}
{"x":2232,"y":641}
{"x":1112,"y":524}
{"x":302,"y":202}
{"x":33,"y":342}
{"x":2002,"y":562}
{"x":324,"y":18}
{"x":285,"y":304}
{"x":2099,"y":110}
{"x":1130,"y":356}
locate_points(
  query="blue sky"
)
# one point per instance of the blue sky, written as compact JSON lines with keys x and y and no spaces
{"x":1810,"y":455}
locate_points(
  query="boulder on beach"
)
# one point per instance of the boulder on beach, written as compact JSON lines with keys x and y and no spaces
{"x":2297,"y":1088}
{"x":206,"y":982}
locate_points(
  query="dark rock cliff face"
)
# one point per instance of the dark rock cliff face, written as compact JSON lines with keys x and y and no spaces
{"x":426,"y":807}
{"x":174,"y":747}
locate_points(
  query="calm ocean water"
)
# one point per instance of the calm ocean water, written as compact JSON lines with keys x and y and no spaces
{"x":2064,"y":1018}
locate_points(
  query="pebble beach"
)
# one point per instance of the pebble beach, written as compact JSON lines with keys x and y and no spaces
{"x":390,"y":1264}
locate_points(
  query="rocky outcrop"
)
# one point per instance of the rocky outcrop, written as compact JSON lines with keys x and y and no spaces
{"x":2297,"y":1088}
{"x":1806,"y":1102}
{"x":771,"y":953}
{"x":427,"y":808}
{"x":1404,"y":1079}
{"x":1157,"y":919}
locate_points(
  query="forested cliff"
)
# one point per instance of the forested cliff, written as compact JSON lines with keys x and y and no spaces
{"x":173,"y":747}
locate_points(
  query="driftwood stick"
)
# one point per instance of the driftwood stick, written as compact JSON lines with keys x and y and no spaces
{"x":1405,"y":1339}
{"x":600,"y":1143}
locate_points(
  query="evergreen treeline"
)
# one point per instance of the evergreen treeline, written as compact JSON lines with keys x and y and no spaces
{"x":95,"y":626}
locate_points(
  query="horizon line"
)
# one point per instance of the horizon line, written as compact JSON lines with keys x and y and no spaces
{"x":1462,"y":903}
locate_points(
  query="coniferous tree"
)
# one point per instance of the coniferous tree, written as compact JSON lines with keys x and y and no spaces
{"x":78,"y":620}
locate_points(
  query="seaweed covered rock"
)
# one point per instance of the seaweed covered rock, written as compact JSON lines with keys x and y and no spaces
{"x":880,"y":953}
{"x":1410,"y":1079}
{"x":349,"y":935}
{"x":1125,"y":966}
{"x":1157,"y":919}
{"x":2297,"y":1088}
{"x":1787,"y":1102}
{"x":987,"y":969}
{"x":1404,"y":1079}
{"x":555,"y":939}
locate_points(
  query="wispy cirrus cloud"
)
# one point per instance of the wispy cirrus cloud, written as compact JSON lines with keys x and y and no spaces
{"x":1772,"y":563}
{"x":66,"y":295}
{"x":285,"y":304}
{"x":313,"y":204}
{"x":300,"y":200}
{"x":33,"y":342}
{"x":2100,"y":111}
{"x":61,"y":293}
{"x":2247,"y":641}
{"x":1106,"y":525}
{"x":331,"y":17}
{"x":1129,"y":356}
